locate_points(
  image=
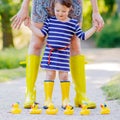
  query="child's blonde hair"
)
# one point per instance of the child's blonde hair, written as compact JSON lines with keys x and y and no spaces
{"x":67,"y":3}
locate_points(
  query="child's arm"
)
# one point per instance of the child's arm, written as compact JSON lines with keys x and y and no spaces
{"x":34,"y":29}
{"x":90,"y":32}
{"x":85,"y":35}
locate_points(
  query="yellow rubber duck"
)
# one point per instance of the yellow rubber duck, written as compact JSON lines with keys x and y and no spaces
{"x":69,"y":110}
{"x":51,"y":110}
{"x":84,"y":110}
{"x":35,"y":109}
{"x":104,"y":109}
{"x":15,"y":109}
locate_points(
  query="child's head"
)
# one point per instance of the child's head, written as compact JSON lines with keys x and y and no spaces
{"x":67,"y":3}
{"x":62,"y":8}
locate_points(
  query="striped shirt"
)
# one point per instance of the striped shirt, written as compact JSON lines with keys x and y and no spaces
{"x":57,"y":51}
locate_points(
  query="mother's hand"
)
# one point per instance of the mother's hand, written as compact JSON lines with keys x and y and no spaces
{"x":98,"y":20}
{"x":18,"y":19}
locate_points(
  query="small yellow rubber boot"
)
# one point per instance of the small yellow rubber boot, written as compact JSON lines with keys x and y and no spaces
{"x":48,"y":89}
{"x":65,"y":89}
{"x":32,"y":67}
{"x":77,"y":68}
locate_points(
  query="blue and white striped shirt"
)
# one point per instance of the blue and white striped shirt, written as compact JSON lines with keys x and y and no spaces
{"x":57,"y":50}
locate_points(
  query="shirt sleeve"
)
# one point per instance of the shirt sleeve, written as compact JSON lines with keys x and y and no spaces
{"x":44,"y":29}
{"x":79,"y":33}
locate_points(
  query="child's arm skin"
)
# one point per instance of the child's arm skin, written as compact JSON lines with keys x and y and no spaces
{"x":90,"y":32}
{"x":87,"y":34}
{"x":34,"y":29}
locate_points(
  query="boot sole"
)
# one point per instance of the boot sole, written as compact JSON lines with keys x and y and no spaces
{"x":89,"y":107}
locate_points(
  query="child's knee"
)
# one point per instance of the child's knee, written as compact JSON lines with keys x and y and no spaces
{"x":50,"y":74}
{"x":63,"y":75}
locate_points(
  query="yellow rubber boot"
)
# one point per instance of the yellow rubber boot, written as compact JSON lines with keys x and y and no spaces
{"x":77,"y":66}
{"x":65,"y":89}
{"x":48,"y":89}
{"x":32,"y":67}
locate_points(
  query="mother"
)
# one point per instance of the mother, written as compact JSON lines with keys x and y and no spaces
{"x":39,"y":14}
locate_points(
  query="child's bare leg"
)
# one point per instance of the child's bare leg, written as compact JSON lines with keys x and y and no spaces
{"x":65,"y":88}
{"x":48,"y":87}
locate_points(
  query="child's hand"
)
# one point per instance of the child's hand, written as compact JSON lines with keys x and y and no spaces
{"x":27,"y":23}
{"x":95,"y":25}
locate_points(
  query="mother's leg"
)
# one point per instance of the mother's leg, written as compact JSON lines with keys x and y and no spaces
{"x":32,"y":66}
{"x":77,"y":65}
{"x":39,"y":15}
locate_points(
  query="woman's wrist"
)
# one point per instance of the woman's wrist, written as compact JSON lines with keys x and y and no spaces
{"x":25,"y":4}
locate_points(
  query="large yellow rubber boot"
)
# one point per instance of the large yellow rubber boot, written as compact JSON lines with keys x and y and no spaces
{"x":65,"y":89}
{"x":32,"y":67}
{"x":77,"y":66}
{"x":48,"y":89}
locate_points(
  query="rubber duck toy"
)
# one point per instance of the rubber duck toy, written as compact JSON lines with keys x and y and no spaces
{"x":84,"y":110}
{"x":51,"y":110}
{"x":69,"y":110}
{"x":15,"y":109}
{"x":35,"y":109}
{"x":104,"y":109}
